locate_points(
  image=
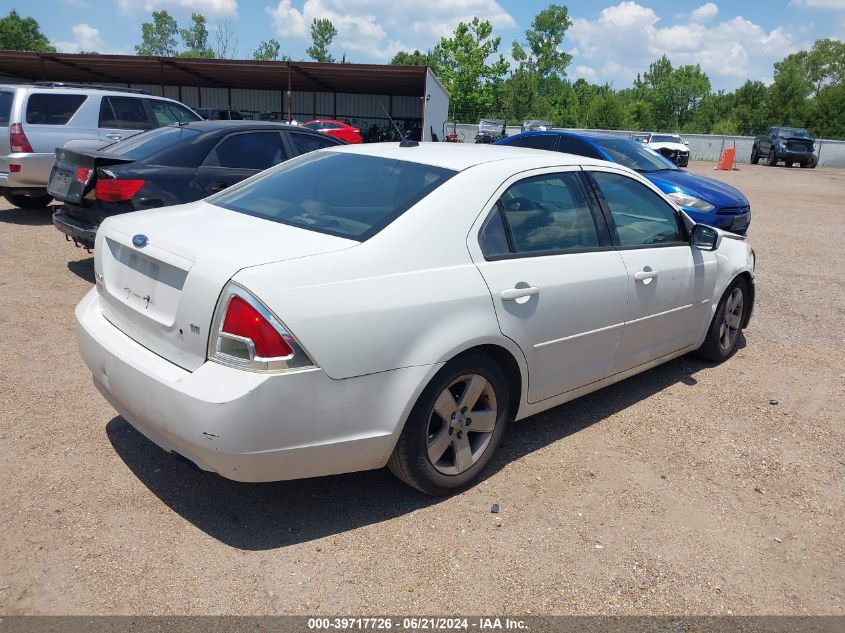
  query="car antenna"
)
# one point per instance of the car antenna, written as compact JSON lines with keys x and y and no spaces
{"x":405,"y":142}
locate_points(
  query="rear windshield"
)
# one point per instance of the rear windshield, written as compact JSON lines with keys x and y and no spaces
{"x":348,"y":195}
{"x":6,"y":99}
{"x":634,"y":155}
{"x":148,"y":143}
{"x":52,"y":108}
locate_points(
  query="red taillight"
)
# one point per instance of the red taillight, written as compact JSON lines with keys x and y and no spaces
{"x":83,"y":174}
{"x":115,"y":190}
{"x":245,"y":321}
{"x":18,"y":140}
{"x":14,"y":168}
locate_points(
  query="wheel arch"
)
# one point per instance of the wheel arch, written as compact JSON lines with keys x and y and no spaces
{"x":505,"y":359}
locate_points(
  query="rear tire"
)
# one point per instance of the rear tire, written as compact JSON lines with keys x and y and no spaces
{"x":27,"y":202}
{"x":726,"y":326}
{"x":442,"y":449}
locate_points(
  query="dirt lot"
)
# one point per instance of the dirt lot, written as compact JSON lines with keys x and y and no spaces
{"x":682,"y":490}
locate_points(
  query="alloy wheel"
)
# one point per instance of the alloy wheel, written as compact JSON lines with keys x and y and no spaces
{"x":461,"y":424}
{"x":731,"y":320}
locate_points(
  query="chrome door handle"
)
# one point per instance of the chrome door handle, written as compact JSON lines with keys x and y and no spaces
{"x":115,"y":137}
{"x":645,"y":275}
{"x":511,"y":294}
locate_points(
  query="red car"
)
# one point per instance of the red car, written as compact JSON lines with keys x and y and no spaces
{"x":337,"y":129}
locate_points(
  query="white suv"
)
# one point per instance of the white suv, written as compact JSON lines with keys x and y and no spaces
{"x":35,"y":119}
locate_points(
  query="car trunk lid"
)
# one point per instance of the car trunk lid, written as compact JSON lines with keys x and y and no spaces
{"x":75,"y":173}
{"x":162,"y":293}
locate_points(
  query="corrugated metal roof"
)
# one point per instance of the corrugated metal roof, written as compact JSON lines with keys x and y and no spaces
{"x":219,"y":73}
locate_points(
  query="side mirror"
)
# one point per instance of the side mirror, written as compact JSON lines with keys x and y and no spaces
{"x":705,"y":238}
{"x":686,"y":142}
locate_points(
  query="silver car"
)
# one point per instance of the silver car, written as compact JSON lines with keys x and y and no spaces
{"x":35,"y":119}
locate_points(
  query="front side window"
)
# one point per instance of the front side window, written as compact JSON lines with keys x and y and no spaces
{"x":250,"y":150}
{"x":124,"y":113}
{"x":52,"y":108}
{"x":544,"y":214}
{"x":167,"y":113}
{"x":642,"y":218}
{"x":348,"y":195}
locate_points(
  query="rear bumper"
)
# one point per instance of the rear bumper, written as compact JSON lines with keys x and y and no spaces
{"x":34,"y":171}
{"x":76,"y":229}
{"x":249,"y":426}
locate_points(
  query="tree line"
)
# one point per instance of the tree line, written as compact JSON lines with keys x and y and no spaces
{"x":808,"y":89}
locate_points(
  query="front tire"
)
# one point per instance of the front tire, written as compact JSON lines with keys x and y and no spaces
{"x":723,"y":335}
{"x":27,"y":202}
{"x":455,"y":426}
{"x":755,"y":157}
{"x":771,"y":159}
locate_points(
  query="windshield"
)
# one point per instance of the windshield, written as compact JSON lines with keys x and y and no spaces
{"x":634,"y":155}
{"x":148,"y":143}
{"x":665,"y":138}
{"x":366,"y":194}
{"x":794,"y":131}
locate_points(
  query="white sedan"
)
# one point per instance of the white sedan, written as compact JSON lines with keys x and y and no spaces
{"x":378,"y":305}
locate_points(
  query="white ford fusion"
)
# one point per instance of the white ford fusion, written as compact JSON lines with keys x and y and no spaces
{"x":378,"y":304}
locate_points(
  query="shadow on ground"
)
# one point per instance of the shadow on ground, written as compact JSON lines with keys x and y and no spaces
{"x":82,"y":268}
{"x":28,"y":217}
{"x":270,"y":515}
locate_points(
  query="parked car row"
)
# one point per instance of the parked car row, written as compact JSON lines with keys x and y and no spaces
{"x":35,"y":119}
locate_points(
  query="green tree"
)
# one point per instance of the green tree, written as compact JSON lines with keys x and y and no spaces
{"x":159,"y":37}
{"x":689,"y":85}
{"x":322,"y":34}
{"x":638,"y":116}
{"x":786,"y":99}
{"x":825,"y":64}
{"x":417,"y":58}
{"x":267,"y":51}
{"x":605,"y":112}
{"x":196,"y":38}
{"x":468,"y":66}
{"x":541,"y":51}
{"x":22,"y":34}
{"x":750,"y":108}
{"x":828,"y":112}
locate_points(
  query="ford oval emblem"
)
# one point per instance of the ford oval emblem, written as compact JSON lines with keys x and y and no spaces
{"x":140,"y":240}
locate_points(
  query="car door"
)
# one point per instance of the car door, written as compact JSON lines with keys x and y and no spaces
{"x":169,"y":113}
{"x":240,"y":155}
{"x":765,"y":144}
{"x":669,"y":282}
{"x":558,"y":287}
{"x":122,"y":117}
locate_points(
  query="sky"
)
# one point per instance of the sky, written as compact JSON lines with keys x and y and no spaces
{"x":610,"y":41}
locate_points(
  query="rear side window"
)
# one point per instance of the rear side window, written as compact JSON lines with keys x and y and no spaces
{"x":641,"y":217}
{"x":305,"y":143}
{"x":124,"y":113}
{"x":366,"y":194}
{"x":545,"y":214}
{"x":538,"y":141}
{"x":167,"y":113}
{"x":250,"y":150}
{"x":578,"y":147}
{"x":53,"y":108}
{"x":6,"y":99}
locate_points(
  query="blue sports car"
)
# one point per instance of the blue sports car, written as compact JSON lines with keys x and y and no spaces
{"x":706,"y":200}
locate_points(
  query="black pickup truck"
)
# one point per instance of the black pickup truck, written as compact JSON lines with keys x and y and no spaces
{"x":789,"y":145}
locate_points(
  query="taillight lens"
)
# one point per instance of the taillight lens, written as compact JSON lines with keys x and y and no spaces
{"x":116,"y":190}
{"x":83,"y":175}
{"x":247,"y":335}
{"x":17,"y":139}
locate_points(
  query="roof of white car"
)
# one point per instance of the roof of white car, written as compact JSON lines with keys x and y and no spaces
{"x":460,"y":156}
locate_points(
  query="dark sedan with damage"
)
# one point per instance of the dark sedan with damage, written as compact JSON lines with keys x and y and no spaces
{"x":167,"y":166}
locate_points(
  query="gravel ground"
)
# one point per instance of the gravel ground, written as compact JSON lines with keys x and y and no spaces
{"x":683,"y":490}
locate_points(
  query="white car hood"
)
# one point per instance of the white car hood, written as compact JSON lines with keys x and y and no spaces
{"x":675,"y":146}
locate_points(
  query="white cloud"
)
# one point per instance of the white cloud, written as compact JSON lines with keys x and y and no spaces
{"x":584,"y":72}
{"x":87,"y":38}
{"x":365,"y":26}
{"x":821,"y":4}
{"x":209,"y":8}
{"x":625,"y":38}
{"x":704,"y":13}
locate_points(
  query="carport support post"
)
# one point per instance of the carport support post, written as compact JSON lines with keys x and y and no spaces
{"x":161,"y":77}
{"x":289,"y":116}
